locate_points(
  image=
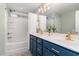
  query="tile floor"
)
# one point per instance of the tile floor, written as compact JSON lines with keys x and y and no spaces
{"x":28,"y":53}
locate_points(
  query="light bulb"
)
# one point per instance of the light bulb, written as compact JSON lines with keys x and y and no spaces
{"x":45,"y":10}
{"x":45,"y":6}
{"x":39,"y":10}
{"x":42,"y":11}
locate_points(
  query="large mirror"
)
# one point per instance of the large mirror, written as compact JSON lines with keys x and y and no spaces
{"x":64,"y":16}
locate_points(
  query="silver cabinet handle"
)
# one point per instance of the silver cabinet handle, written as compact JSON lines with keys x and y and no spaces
{"x":55,"y":50}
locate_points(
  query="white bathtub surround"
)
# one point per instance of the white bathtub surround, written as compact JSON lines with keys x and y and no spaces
{"x":17,"y":41}
{"x":60,"y":39}
{"x":27,"y":53}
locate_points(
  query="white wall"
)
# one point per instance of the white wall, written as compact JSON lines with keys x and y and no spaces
{"x":32,"y":22}
{"x":77,"y":21}
{"x":2,"y":28}
{"x":58,"y":23}
{"x":68,"y":22}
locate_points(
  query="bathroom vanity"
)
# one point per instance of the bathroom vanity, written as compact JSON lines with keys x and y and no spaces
{"x":53,"y":45}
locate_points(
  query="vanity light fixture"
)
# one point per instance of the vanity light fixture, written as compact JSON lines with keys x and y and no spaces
{"x":43,"y":8}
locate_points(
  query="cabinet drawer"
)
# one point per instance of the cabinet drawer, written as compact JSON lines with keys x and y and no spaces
{"x":46,"y":52}
{"x":39,"y":40}
{"x":39,"y":49}
{"x":32,"y":37}
{"x":58,"y":49}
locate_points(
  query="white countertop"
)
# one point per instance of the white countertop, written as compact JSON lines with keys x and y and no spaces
{"x":60,"y":39}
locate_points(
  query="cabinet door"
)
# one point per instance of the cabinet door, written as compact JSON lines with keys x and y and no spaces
{"x":39,"y":48}
{"x":46,"y":52}
{"x":33,"y":48}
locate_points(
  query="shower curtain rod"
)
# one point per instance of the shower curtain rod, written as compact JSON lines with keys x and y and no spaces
{"x":13,"y":10}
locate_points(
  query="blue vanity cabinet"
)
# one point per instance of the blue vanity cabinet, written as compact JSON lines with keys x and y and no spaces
{"x":33,"y":45}
{"x":59,"y":50}
{"x":42,"y":47}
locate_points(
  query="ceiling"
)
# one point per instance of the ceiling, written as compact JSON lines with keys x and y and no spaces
{"x":23,"y":7}
{"x":54,"y":7}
